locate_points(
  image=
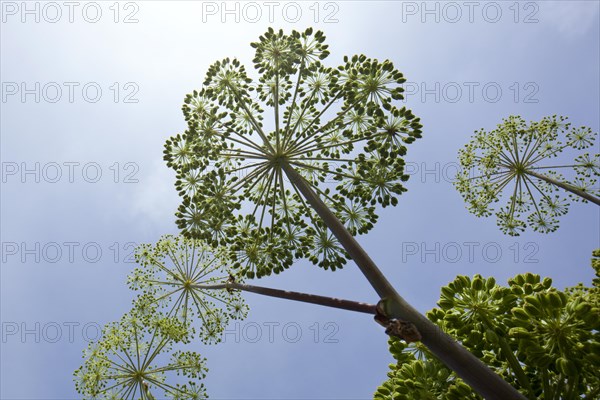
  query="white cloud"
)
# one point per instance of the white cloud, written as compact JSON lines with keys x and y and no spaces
{"x":571,"y":18}
{"x":156,"y":199}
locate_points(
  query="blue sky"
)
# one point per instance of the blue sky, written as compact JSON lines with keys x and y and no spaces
{"x":543,"y":57}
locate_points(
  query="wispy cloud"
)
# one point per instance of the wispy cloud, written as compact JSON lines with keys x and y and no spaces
{"x":571,"y":18}
{"x":155,"y":202}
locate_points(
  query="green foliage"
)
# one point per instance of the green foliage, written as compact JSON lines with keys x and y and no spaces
{"x":500,"y":163}
{"x":337,"y":127}
{"x":543,"y":341}
{"x":136,"y":358}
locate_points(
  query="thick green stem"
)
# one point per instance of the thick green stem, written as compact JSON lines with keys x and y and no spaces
{"x":474,"y":372}
{"x":296,"y":296}
{"x":565,"y":186}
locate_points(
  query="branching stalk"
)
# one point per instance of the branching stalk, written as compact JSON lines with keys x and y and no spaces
{"x":566,"y":186}
{"x":296,"y":296}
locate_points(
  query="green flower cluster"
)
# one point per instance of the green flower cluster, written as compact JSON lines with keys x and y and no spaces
{"x":513,"y":161}
{"x":173,"y":278}
{"x":138,"y":356}
{"x":135,"y":359}
{"x":337,"y":127}
{"x":418,"y":375}
{"x":543,"y":341}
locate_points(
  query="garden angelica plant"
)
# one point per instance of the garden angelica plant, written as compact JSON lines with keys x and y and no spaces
{"x":286,"y":165}
{"x":291,"y":164}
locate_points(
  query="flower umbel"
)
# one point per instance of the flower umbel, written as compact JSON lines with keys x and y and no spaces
{"x":171,"y":277}
{"x":337,"y":127}
{"x":521,"y":162}
{"x":132,"y":361}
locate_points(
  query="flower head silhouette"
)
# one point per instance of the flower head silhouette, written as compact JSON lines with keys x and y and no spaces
{"x":249,"y":141}
{"x":135,"y":360}
{"x":518,"y":161}
{"x":171,"y":278}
